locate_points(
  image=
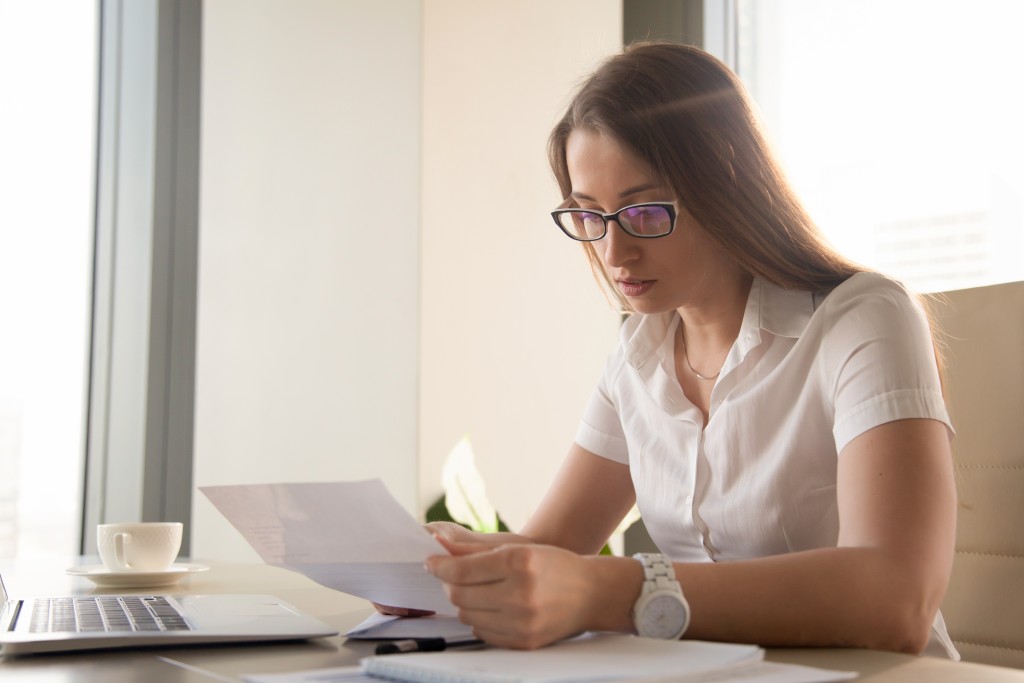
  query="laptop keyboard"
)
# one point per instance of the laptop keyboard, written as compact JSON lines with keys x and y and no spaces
{"x":105,"y":613}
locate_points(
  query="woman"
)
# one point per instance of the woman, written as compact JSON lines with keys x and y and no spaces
{"x":774,"y":410}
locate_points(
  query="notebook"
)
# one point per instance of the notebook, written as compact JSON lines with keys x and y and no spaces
{"x":591,"y":657}
{"x":58,"y":624}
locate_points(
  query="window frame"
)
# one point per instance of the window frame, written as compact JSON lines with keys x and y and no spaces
{"x":141,"y":382}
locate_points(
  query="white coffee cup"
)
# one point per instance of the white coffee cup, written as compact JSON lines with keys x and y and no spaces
{"x":138,"y":546}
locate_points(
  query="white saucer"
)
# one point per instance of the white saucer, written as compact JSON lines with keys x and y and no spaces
{"x":105,"y":578}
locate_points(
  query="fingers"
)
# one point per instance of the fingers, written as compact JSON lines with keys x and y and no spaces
{"x":446,"y":530}
{"x":474,"y":581}
{"x":506,"y":628}
{"x":493,"y":581}
{"x":470,"y":564}
{"x":516,"y":596}
{"x":463,"y":547}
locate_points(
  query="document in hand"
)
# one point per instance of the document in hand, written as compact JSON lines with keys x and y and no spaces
{"x":590,"y":657}
{"x":349,"y":536}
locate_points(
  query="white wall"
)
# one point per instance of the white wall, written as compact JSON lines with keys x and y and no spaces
{"x":378,"y":271}
{"x":309,"y":248}
{"x":514,"y":330}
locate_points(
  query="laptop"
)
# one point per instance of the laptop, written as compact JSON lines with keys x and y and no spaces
{"x":89,"y":622}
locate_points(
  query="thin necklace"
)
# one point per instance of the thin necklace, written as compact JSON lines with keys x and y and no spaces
{"x":686,"y":357}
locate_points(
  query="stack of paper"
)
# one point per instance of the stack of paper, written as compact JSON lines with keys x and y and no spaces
{"x":603,"y":657}
{"x":591,"y":657}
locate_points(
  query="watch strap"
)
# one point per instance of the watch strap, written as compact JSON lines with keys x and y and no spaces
{"x":659,"y":580}
{"x":658,"y":572}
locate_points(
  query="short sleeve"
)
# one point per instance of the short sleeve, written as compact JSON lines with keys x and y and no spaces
{"x":879,"y":348}
{"x":600,"y":431}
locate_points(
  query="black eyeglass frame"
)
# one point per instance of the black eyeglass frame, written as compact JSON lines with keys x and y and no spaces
{"x":669,"y":207}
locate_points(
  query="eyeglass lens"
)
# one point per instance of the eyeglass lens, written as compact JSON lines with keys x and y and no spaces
{"x":642,"y":221}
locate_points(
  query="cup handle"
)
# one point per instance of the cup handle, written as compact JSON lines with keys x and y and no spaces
{"x":120,"y":556}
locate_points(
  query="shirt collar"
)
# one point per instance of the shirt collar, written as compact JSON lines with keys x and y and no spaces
{"x":642,"y":336}
{"x":781,"y":312}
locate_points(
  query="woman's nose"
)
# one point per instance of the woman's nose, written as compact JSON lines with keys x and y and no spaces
{"x":619,"y":247}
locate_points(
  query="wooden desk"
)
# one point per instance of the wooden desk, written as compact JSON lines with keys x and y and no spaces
{"x":343,"y":611}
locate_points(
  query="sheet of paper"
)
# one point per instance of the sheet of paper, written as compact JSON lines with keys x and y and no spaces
{"x":349,"y":536}
{"x":380,"y":626}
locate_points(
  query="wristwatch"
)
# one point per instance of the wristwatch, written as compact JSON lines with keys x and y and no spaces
{"x":661,"y":611}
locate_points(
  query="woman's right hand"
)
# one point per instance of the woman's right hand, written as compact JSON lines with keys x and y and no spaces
{"x":453,"y":533}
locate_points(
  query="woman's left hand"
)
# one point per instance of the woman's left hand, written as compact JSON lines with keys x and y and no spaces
{"x":517,"y":595}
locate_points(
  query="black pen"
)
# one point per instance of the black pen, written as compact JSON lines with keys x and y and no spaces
{"x":422,"y":645}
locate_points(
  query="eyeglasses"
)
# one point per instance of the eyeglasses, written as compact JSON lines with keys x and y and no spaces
{"x":653,"y":219}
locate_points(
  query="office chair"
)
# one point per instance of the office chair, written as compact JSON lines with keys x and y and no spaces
{"x":983,"y":333}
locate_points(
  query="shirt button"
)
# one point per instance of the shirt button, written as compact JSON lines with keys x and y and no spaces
{"x":689,"y":500}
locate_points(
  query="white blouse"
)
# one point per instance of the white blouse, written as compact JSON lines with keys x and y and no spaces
{"x":807,"y":374}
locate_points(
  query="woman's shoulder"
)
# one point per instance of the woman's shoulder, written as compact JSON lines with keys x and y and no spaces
{"x":870,"y":305}
{"x":868,"y":288}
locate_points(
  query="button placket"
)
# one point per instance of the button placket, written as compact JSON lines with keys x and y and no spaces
{"x":699,"y":477}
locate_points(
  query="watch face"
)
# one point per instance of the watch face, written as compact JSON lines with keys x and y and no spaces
{"x":664,"y":616}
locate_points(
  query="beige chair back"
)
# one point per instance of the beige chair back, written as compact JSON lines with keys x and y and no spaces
{"x":983,"y":331}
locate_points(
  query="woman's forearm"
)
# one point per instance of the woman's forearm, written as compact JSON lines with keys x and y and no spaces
{"x":855,"y":597}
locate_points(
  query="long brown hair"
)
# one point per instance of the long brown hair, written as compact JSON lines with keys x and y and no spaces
{"x":686,"y":115}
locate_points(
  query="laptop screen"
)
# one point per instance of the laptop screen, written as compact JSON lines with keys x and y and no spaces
{"x":7,"y":618}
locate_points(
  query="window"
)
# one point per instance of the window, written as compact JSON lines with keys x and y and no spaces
{"x":47,"y":134}
{"x":899,"y":123}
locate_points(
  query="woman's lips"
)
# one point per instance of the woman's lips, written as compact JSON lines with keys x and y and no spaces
{"x":633,"y":288}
